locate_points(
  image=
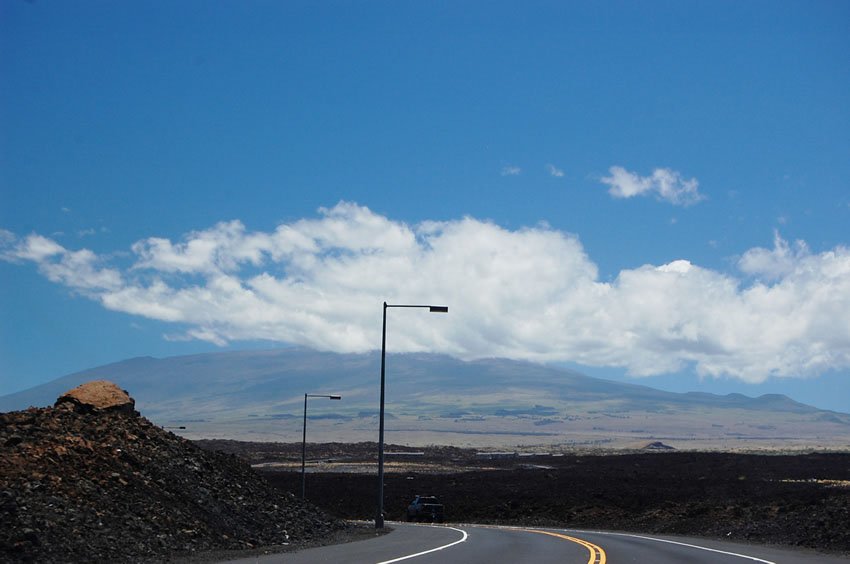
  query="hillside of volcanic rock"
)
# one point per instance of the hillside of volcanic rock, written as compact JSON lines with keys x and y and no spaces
{"x":89,"y":480}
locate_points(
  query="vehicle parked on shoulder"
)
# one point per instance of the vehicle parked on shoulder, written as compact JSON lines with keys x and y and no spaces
{"x":425,"y":508}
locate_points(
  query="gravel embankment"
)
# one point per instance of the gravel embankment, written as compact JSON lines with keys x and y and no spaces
{"x":113,"y":487}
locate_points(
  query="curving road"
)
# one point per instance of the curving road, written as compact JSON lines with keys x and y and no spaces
{"x":470,"y":544}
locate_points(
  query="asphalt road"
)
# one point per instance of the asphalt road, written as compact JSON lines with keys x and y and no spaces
{"x":471,"y":544}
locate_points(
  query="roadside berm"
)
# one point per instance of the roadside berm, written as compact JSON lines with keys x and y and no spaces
{"x":89,"y":480}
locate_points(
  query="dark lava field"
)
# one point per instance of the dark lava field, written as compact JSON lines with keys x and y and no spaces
{"x":80,"y":484}
{"x":797,"y":500}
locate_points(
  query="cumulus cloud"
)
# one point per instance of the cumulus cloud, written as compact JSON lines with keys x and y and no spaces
{"x":776,"y":263}
{"x":664,"y":183}
{"x":554,"y":171}
{"x":529,"y":293}
{"x":79,"y":270}
{"x":511,"y":170}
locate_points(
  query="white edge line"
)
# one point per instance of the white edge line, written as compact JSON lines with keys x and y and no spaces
{"x":676,"y":542}
{"x":400,"y":558}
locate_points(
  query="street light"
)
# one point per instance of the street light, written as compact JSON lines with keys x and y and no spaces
{"x":379,"y":518}
{"x":304,"y":438}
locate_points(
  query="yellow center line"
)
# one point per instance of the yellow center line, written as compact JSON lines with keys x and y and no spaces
{"x":597,"y":555}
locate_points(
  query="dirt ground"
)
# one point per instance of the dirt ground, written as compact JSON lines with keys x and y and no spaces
{"x":799,"y":500}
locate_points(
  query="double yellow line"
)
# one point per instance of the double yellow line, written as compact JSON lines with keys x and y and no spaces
{"x":597,"y":555}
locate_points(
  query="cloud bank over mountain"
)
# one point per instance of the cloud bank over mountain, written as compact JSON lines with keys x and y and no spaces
{"x":531,"y":293}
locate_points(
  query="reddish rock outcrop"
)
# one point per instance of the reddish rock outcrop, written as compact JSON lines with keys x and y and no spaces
{"x":98,"y":395}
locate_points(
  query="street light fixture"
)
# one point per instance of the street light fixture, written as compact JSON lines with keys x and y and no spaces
{"x":379,"y":518}
{"x":304,"y":438}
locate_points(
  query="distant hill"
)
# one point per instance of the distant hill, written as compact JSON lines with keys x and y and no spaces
{"x":436,"y":399}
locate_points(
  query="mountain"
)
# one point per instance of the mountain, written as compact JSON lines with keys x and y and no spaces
{"x":436,"y":399}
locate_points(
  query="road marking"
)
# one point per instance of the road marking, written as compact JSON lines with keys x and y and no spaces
{"x":597,"y":555}
{"x":685,"y":544}
{"x":400,"y":558}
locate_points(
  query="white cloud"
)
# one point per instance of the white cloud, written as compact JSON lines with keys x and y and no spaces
{"x":511,"y":170}
{"x":531,"y":293}
{"x":664,"y":183}
{"x":776,"y":263}
{"x":554,"y":171}
{"x":36,"y":248}
{"x":221,"y":248}
{"x":79,"y":270}
{"x":7,"y":238}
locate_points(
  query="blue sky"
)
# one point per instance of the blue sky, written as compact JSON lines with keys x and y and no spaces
{"x":652,"y":192}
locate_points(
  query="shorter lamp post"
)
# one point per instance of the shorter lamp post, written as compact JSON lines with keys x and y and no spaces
{"x":304,"y":438}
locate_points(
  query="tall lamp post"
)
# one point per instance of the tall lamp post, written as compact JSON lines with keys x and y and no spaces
{"x":379,"y":518}
{"x":304,"y":438}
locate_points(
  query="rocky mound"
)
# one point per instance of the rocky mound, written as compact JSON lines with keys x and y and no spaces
{"x":91,"y":481}
{"x":657,"y":445}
